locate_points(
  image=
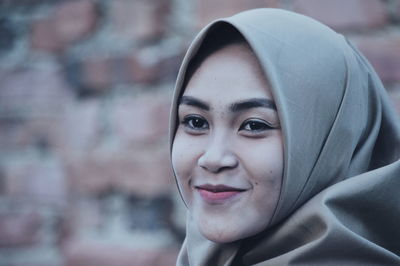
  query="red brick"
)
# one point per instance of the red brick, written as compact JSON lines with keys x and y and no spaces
{"x":345,"y":14}
{"x":141,"y":120}
{"x":39,"y":181}
{"x":33,"y":133}
{"x":208,"y":10}
{"x":151,"y":65}
{"x":89,"y":175}
{"x":97,"y":73}
{"x":139,"y":20}
{"x":80,"y":129}
{"x":169,"y":67}
{"x":83,"y":215}
{"x":146,"y":66}
{"x":44,"y":37}
{"x":31,"y":105}
{"x":77,"y":130}
{"x":384,"y":54}
{"x":69,"y":128}
{"x":139,"y":71}
{"x":150,"y":174}
{"x":74,"y":20}
{"x":142,"y":174}
{"x":30,"y":92}
{"x":91,"y":253}
{"x":145,"y":172}
{"x":71,"y":21}
{"x":13,"y":135}
{"x":55,"y":262}
{"x":19,"y":229}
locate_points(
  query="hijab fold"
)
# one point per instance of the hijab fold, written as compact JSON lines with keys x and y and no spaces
{"x":339,"y":202}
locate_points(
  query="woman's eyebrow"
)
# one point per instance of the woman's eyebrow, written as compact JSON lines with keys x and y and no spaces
{"x":252,"y":103}
{"x":188,"y":100}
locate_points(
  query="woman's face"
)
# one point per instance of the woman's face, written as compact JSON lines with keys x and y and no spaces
{"x":228,"y":151}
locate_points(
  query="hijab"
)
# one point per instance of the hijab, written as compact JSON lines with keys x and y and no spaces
{"x":340,"y":197}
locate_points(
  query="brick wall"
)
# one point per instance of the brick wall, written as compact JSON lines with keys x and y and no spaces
{"x":85,"y":91}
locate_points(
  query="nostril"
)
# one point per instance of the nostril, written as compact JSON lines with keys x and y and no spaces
{"x":216,"y":164}
{"x":224,"y":168}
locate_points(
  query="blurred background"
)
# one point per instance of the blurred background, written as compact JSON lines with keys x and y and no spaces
{"x":85,"y":88}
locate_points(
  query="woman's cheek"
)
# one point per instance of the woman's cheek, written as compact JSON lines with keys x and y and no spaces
{"x":264,"y":161}
{"x":179,"y":157}
{"x":183,"y":162}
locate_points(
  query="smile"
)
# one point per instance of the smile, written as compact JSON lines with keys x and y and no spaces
{"x":218,"y":193}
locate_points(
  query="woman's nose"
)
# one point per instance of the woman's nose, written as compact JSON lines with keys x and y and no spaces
{"x":218,"y":156}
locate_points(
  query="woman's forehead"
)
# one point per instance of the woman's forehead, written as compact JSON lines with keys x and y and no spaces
{"x":230,"y":74}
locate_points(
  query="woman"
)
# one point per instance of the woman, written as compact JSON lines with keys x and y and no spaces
{"x":284,"y":147}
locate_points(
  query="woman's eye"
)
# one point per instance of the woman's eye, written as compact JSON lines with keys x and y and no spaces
{"x":255,"y":126}
{"x":195,"y":123}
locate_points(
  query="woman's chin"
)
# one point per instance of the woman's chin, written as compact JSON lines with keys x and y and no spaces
{"x":221,"y":238}
{"x":224,"y":235}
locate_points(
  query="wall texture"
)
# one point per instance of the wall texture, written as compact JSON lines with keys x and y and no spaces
{"x":85,"y":91}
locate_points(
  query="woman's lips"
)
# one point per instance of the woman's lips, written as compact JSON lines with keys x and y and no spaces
{"x":218,"y":193}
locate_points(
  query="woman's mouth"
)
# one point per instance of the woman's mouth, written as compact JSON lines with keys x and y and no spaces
{"x":218,"y":193}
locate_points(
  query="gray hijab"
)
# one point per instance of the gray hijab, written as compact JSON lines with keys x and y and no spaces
{"x":340,"y":197}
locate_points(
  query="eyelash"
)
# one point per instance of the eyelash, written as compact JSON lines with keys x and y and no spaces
{"x":190,"y":122}
{"x":255,"y":122}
